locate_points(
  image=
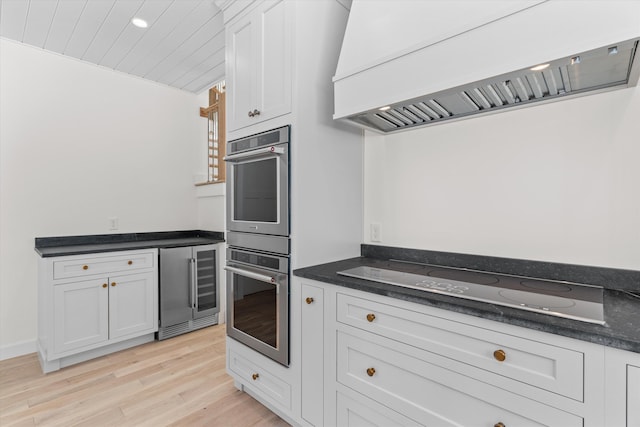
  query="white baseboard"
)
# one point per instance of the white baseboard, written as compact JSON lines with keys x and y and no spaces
{"x":17,"y":349}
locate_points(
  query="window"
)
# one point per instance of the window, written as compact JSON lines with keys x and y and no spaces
{"x":215,"y":114}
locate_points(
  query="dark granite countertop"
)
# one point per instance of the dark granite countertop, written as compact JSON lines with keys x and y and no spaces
{"x":621,"y":307}
{"x":78,"y":245}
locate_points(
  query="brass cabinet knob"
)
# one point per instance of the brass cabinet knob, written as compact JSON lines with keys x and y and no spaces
{"x":371,"y":371}
{"x":85,"y":267}
{"x":498,"y":425}
{"x":113,"y":283}
{"x":104,"y":285}
{"x":255,"y":376}
{"x":500,"y":356}
{"x":309,"y":300}
{"x":129,"y":262}
{"x":371,"y":317}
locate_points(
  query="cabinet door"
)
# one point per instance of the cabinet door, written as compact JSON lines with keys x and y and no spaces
{"x":176,"y":293}
{"x":633,"y":396}
{"x":312,"y":339}
{"x":80,"y":314}
{"x":274,"y":60}
{"x":241,"y":73}
{"x":259,"y":62}
{"x":132,"y":304}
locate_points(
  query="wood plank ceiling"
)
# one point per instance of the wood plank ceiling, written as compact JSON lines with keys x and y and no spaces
{"x":182,"y":47}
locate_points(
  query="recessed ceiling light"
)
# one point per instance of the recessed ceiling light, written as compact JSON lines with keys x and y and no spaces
{"x":384,"y":108}
{"x":539,"y":67}
{"x":140,"y":23}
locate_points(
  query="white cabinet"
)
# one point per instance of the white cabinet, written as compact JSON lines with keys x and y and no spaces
{"x":269,"y":382}
{"x":280,"y":59}
{"x":392,"y":362}
{"x":407,"y":381}
{"x":633,"y":396}
{"x":80,"y":314}
{"x":515,"y":359}
{"x":258,"y":75}
{"x":264,"y":378}
{"x":312,"y":352}
{"x":622,"y":389}
{"x":132,"y":304}
{"x":90,"y":305}
{"x":94,"y":311}
{"x":356,"y":410}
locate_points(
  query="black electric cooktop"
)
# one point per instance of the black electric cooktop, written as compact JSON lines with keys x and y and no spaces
{"x":563,"y":299}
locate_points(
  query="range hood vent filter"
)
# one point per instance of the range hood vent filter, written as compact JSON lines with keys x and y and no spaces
{"x":595,"y":70}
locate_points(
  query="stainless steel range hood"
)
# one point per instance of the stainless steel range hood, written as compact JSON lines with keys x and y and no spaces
{"x":457,"y":76}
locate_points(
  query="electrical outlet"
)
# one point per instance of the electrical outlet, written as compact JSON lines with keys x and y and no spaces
{"x":376,"y":232}
{"x":113,"y":223}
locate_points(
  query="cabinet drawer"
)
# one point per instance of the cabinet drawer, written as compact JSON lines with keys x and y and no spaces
{"x":270,"y":385}
{"x":395,"y":374}
{"x":88,"y":266}
{"x":359,"y":411}
{"x":555,"y":369}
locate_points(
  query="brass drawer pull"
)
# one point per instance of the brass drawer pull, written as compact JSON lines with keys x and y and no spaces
{"x":255,"y":376}
{"x":371,"y":317}
{"x":309,"y":300}
{"x":104,"y":285}
{"x":113,"y":283}
{"x":499,"y":425}
{"x":85,"y":267}
{"x":129,"y":262}
{"x":371,"y":371}
{"x":500,"y":356}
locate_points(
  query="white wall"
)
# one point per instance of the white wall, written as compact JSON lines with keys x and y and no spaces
{"x":558,"y":182}
{"x":211,"y":205}
{"x":79,"y":144}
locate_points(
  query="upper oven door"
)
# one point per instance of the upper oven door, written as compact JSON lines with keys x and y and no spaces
{"x":258,"y":183}
{"x":258,"y":191}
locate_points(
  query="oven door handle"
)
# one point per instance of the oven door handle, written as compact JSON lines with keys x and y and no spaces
{"x":251,"y":274}
{"x":254,"y":153}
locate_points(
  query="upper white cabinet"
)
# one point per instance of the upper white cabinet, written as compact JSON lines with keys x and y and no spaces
{"x":91,"y":305}
{"x":259,"y":62}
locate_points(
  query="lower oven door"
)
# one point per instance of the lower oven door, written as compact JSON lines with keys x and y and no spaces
{"x":258,"y":310}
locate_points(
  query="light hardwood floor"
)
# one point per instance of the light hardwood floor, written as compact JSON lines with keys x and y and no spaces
{"x":177,"y":382}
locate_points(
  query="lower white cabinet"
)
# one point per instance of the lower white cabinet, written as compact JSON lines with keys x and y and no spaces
{"x":389,"y":362}
{"x":312,"y":356}
{"x":80,"y":315}
{"x":356,"y":410}
{"x":622,"y":389}
{"x":272,"y":384}
{"x":633,"y":396}
{"x":401,"y":378}
{"x":88,"y":312}
{"x":264,"y":379}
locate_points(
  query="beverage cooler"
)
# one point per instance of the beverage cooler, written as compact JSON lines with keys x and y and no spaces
{"x":188,"y":289}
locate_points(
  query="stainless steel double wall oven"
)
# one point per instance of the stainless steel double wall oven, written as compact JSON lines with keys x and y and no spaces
{"x":258,"y":242}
